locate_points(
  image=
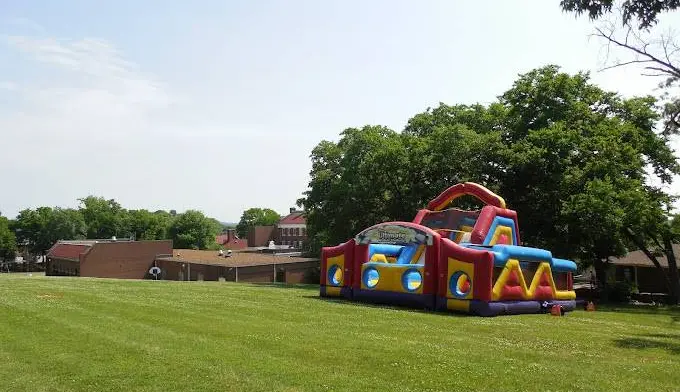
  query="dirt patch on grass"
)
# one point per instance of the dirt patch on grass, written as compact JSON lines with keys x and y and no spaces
{"x":50,"y":295}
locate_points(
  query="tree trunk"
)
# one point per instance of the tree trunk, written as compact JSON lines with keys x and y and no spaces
{"x":650,"y":256}
{"x":672,"y":271}
{"x":600,"y":273}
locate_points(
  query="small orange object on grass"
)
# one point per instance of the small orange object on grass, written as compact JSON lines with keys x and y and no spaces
{"x":556,"y":310}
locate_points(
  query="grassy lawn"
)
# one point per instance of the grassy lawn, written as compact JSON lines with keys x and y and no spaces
{"x":79,"y":334}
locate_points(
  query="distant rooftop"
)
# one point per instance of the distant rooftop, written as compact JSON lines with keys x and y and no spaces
{"x":237,"y":259}
{"x":91,"y":242}
{"x":295,"y":217}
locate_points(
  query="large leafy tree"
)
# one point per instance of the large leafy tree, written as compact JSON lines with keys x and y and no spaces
{"x":105,"y":218}
{"x":256,"y":217}
{"x":568,"y":156}
{"x":658,"y":54}
{"x":8,"y":243}
{"x":375,"y":174}
{"x":193,"y":230}
{"x":42,"y":227}
{"x":577,"y":173}
{"x":145,"y":225}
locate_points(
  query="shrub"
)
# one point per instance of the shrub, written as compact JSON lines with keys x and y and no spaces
{"x":619,"y":291}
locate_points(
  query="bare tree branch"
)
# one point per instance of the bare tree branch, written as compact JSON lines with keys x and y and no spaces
{"x":671,"y":69}
{"x":626,"y":63}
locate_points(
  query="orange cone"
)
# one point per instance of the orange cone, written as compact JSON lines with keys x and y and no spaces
{"x":556,"y":310}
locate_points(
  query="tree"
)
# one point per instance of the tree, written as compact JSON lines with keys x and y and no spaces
{"x":42,"y":227}
{"x":193,"y":230}
{"x":8,"y":242}
{"x":644,"y":11}
{"x":104,"y":218}
{"x":659,"y":57}
{"x":375,"y":174}
{"x":256,"y":217}
{"x":145,"y":225}
{"x":569,"y":157}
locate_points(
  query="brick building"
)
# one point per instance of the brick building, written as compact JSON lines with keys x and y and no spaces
{"x":260,"y":236}
{"x":230,"y":240}
{"x":239,"y":266}
{"x":124,"y":259}
{"x":290,"y":231}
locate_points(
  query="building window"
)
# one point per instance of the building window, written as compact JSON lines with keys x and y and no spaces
{"x":304,"y":231}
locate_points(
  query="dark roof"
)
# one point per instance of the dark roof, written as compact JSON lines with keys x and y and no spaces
{"x":639,"y":259}
{"x":67,"y":251}
{"x":238,"y":258}
{"x":294,"y":218}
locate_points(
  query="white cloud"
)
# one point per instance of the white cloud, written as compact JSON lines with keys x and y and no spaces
{"x":107,"y":83}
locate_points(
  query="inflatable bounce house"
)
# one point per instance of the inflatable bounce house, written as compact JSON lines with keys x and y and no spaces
{"x":448,"y":259}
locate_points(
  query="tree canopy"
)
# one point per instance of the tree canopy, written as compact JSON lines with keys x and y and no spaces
{"x":193,"y":230}
{"x":658,"y":54}
{"x":98,"y":218}
{"x":569,"y":157}
{"x":8,"y":243}
{"x":256,"y":217}
{"x":645,"y":13}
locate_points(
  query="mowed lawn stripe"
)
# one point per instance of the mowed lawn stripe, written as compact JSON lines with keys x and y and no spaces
{"x":70,"y":334}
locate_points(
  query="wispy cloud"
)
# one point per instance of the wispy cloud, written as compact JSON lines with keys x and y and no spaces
{"x":102,"y":74}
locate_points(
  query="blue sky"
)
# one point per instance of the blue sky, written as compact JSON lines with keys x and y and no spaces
{"x":216,"y":105}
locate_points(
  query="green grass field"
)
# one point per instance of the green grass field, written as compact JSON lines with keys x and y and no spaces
{"x":79,"y":334}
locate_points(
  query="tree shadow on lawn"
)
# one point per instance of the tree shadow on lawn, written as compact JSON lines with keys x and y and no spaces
{"x":668,"y":342}
{"x":388,"y":306}
{"x":300,"y":286}
{"x":664,"y":310}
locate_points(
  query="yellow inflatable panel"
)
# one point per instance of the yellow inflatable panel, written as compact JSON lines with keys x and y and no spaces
{"x":500,"y":230}
{"x":454,"y":267}
{"x":391,"y":277}
{"x":336,"y":263}
{"x":528,"y":293}
{"x":333,"y":291}
{"x":458,"y":304}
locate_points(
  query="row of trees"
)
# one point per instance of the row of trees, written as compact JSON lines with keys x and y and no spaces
{"x":97,"y":218}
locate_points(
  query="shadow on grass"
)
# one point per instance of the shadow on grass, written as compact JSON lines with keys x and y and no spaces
{"x":310,"y":287}
{"x":662,"y":310}
{"x":668,"y":342}
{"x":379,"y":305}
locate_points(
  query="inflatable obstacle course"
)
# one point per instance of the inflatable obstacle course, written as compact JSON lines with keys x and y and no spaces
{"x":449,"y":259}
